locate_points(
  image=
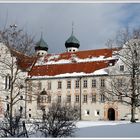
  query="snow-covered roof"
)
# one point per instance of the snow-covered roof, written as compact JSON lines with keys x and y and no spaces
{"x":91,"y":62}
{"x":74,"y":74}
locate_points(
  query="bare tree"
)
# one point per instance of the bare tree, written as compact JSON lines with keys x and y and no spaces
{"x":11,"y":73}
{"x":15,"y":38}
{"x":59,"y":120}
{"x":123,"y":36}
{"x":18,"y":127}
{"x":124,"y":84}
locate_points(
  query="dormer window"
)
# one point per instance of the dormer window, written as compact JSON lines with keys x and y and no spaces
{"x":121,"y":67}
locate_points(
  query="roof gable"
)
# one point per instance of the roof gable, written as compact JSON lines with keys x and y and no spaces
{"x":24,"y":62}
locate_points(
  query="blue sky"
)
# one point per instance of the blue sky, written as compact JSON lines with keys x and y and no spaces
{"x":94,"y":23}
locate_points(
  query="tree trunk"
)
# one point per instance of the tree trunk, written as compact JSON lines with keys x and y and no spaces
{"x":11,"y":110}
{"x":11,"y":117}
{"x":133,"y":112}
{"x":133,"y":81}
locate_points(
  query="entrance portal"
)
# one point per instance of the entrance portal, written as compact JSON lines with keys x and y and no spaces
{"x":111,"y":114}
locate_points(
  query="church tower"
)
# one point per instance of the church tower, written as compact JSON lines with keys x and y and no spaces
{"x":41,"y":47}
{"x":72,"y":44}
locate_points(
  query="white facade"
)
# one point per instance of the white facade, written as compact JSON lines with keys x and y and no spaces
{"x":90,"y":93}
{"x":81,"y":89}
{"x":90,"y":109}
{"x":9,"y":72}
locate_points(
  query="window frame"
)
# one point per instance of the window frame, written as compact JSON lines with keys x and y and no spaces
{"x":121,"y":68}
{"x":59,"y":85}
{"x":93,"y":98}
{"x":59,"y":98}
{"x":102,"y":98}
{"x":7,"y":82}
{"x":102,"y":84}
{"x":85,"y":98}
{"x":85,"y":83}
{"x":68,"y":98}
{"x":68,"y":84}
{"x":94,"y":83}
{"x":77,"y":98}
{"x":77,"y":84}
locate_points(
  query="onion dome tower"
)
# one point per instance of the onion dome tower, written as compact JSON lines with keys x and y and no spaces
{"x":41,"y":47}
{"x":72,"y":44}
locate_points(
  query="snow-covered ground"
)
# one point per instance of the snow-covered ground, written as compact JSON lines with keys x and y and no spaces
{"x":100,"y":129}
{"x":105,"y":129}
{"x":82,"y":124}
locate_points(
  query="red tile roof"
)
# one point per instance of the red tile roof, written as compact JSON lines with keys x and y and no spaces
{"x":52,"y":70}
{"x":84,"y":54}
{"x":86,"y":67}
{"x":24,"y":62}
